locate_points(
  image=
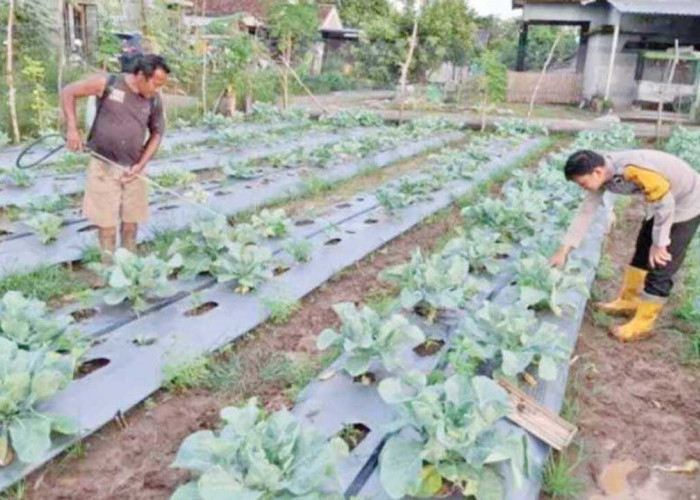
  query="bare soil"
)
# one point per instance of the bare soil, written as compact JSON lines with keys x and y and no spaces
{"x":639,"y":406}
{"x":134,"y":462}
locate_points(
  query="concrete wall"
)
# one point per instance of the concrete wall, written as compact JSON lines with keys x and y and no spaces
{"x":633,"y":27}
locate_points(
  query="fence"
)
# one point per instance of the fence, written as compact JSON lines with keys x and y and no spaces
{"x":556,"y":88}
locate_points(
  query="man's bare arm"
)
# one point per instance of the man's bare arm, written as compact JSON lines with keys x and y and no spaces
{"x":83,"y":88}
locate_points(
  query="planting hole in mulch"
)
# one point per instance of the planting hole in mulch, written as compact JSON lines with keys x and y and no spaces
{"x":5,"y":232}
{"x":333,"y":242}
{"x":90,"y":227}
{"x":280,"y":270}
{"x":90,"y":366}
{"x":429,"y":347}
{"x":221,"y":193}
{"x":83,"y":314}
{"x":371,"y":221}
{"x":368,"y":378}
{"x":354,"y":434}
{"x":344,"y":205}
{"x":202,"y":309}
{"x":360,"y":199}
{"x":350,"y":231}
{"x":167,"y":207}
{"x":248,"y":186}
{"x":304,"y":222}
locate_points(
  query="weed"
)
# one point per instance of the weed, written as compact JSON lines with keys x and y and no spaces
{"x":281,"y":309}
{"x":294,"y":375}
{"x":179,"y":377}
{"x":602,"y":320}
{"x":314,"y":185}
{"x":606,"y":269}
{"x":17,"y":492}
{"x":161,"y":242}
{"x":559,"y":479}
{"x":76,"y":451}
{"x":45,"y":283}
{"x":381,"y":299}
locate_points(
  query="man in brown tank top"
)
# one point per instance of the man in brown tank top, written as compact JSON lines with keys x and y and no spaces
{"x":128,"y":127}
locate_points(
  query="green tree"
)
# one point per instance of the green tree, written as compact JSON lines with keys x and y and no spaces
{"x":360,"y":13}
{"x":293,"y":26}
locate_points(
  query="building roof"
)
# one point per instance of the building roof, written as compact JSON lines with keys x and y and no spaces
{"x":219,"y":8}
{"x":662,"y":7}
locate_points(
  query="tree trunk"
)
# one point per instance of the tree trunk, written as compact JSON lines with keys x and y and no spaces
{"x":404,"y":70}
{"x":544,"y":71}
{"x":144,"y":25}
{"x":61,"y":44}
{"x":11,"y":91}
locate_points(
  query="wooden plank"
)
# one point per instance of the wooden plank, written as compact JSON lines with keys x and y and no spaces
{"x":538,"y":420}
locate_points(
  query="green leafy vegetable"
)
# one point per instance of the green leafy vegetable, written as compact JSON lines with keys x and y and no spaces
{"x":448,"y":436}
{"x":28,"y":322}
{"x":136,"y":279}
{"x":366,"y":336}
{"x":249,"y":265}
{"x":512,"y":339}
{"x":271,"y":223}
{"x":258,"y":457}
{"x":542,"y":286}
{"x":47,"y":226}
{"x":299,"y":249}
{"x":482,"y":248}
{"x":26,"y":379}
{"x":434,"y":283}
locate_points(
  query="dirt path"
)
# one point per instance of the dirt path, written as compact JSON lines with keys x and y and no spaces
{"x":638,"y":406}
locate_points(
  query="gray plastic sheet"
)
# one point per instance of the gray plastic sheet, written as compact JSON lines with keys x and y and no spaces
{"x":134,"y":372}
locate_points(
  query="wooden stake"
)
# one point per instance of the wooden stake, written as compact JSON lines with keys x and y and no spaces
{"x":544,"y":71}
{"x":10,"y":77}
{"x":664,"y":89}
{"x":539,"y":421}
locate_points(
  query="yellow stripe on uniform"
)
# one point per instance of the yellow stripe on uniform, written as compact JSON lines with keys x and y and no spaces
{"x":653,"y":185}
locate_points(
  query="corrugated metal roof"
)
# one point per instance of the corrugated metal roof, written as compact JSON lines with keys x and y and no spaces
{"x":662,"y":7}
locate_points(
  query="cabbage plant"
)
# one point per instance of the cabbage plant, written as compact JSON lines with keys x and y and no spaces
{"x":271,"y":223}
{"x":249,"y":265}
{"x":259,"y":457}
{"x":510,"y":339}
{"x":28,"y":378}
{"x":47,"y":226}
{"x":433,"y":283}
{"x":136,"y":279}
{"x":541,"y":286}
{"x":27,"y":322}
{"x":447,"y":438}
{"x":206,"y":240}
{"x":366,"y":336}
{"x":482,"y":248}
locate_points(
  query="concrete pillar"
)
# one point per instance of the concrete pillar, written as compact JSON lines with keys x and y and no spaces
{"x":582,"y":48}
{"x":522,"y":48}
{"x":613,"y":54}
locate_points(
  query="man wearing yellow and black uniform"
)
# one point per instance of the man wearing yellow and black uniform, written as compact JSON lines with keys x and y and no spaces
{"x":670,"y":189}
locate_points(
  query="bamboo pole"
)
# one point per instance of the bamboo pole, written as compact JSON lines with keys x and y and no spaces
{"x":611,"y":64}
{"x":404,"y":70}
{"x":542,"y":74}
{"x":664,"y":89}
{"x":10,"y":77}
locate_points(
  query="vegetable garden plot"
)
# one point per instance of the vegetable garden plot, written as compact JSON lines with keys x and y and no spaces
{"x":74,"y":183}
{"x":27,"y":252}
{"x":137,"y":371}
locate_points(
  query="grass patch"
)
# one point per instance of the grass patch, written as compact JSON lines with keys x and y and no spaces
{"x":17,"y":492}
{"x":381,"y":299}
{"x":602,"y":320}
{"x":293,"y":374}
{"x":161,"y":243}
{"x":606,"y":268}
{"x":559,"y":477}
{"x":281,"y":309}
{"x":179,"y":377}
{"x":687,"y":312}
{"x":46,"y":283}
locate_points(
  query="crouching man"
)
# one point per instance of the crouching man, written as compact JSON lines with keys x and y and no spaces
{"x":670,"y":189}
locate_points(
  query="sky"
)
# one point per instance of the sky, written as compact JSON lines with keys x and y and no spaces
{"x":501,"y":8}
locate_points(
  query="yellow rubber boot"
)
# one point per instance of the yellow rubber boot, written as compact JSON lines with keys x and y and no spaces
{"x":641,"y":325}
{"x":626,"y":303}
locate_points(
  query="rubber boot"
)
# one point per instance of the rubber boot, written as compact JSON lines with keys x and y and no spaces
{"x":628,"y":299}
{"x":648,"y":310}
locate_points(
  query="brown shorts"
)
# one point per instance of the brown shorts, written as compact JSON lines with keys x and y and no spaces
{"x":107,"y":201}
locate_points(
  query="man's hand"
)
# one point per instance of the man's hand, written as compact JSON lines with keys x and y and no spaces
{"x":559,"y":258}
{"x":73,"y":140}
{"x":659,"y":257}
{"x":132,"y":173}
